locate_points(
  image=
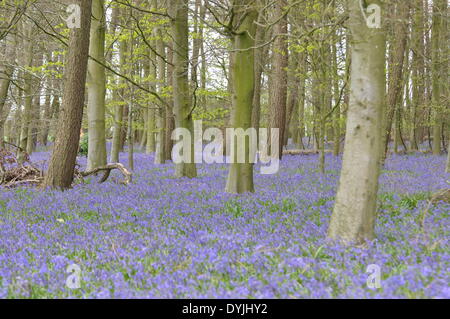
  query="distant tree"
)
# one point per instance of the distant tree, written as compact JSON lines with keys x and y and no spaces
{"x":27,"y":61}
{"x":439,"y":65}
{"x":448,"y":159}
{"x":396,"y":66}
{"x":62,"y":163}
{"x":280,"y":60}
{"x":7,"y":57}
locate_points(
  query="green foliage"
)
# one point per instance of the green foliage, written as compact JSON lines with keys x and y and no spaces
{"x":84,"y":142}
{"x":235,"y":208}
{"x":411,"y":201}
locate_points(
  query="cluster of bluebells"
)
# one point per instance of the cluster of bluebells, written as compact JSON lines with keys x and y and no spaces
{"x":163,"y":237}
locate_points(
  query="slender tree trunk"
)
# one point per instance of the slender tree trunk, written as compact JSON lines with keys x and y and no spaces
{"x":97,"y":89}
{"x":260,"y":58}
{"x":118,"y":106}
{"x":62,"y":162}
{"x":353,"y":219}
{"x":170,"y":116}
{"x":439,"y":44}
{"x":396,"y":67}
{"x":336,"y":98}
{"x":303,"y":65}
{"x":46,"y":117}
{"x":160,"y":157}
{"x":181,"y":96}
{"x":280,"y":64}
{"x":447,"y":169}
{"x":418,"y":71}
{"x":6,"y":70}
{"x":151,"y":144}
{"x":28,"y":97}
{"x":293,"y":96}
{"x":240,"y":177}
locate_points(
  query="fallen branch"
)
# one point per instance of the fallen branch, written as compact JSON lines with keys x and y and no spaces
{"x":107,"y":169}
{"x":303,"y":152}
{"x":441,"y":196}
{"x":14,"y":173}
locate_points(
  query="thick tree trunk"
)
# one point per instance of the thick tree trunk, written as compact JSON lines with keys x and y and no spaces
{"x":353,"y":218}
{"x":97,"y":89}
{"x":62,"y":162}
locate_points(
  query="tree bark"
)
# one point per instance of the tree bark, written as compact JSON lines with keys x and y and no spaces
{"x":439,"y":49}
{"x":62,"y":163}
{"x":28,"y":97}
{"x":353,"y":218}
{"x":181,"y":96}
{"x":240,"y":177}
{"x":280,"y":63}
{"x":97,"y":89}
{"x":6,"y":71}
{"x":396,"y":67}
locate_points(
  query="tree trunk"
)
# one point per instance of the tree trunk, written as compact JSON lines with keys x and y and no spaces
{"x":181,"y":97}
{"x":279,"y":64}
{"x":151,"y":146}
{"x":240,"y":177}
{"x":28,"y":98}
{"x":118,"y":107}
{"x":439,"y":44}
{"x":170,"y":116}
{"x":353,"y":218}
{"x":62,"y":162}
{"x":396,"y":67}
{"x":260,"y":58}
{"x":160,"y":157}
{"x":97,"y":89}
{"x":6,"y":71}
{"x":418,"y":74}
{"x":447,"y":170}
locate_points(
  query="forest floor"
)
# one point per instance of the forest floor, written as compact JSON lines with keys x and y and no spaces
{"x":162,"y":237}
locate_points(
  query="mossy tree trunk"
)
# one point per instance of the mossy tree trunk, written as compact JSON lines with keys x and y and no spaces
{"x":181,"y":96}
{"x":240,"y":177}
